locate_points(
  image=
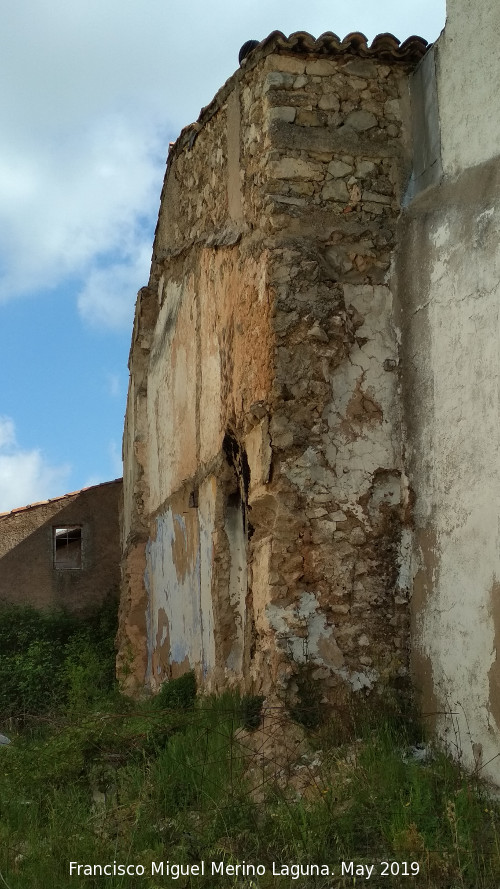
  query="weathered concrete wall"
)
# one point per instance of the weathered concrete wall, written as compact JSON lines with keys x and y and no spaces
{"x":264,"y":489}
{"x":28,"y":573}
{"x":449,"y":273}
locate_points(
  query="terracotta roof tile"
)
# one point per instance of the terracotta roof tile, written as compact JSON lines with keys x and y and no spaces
{"x":384,"y":46}
{"x":55,"y":499}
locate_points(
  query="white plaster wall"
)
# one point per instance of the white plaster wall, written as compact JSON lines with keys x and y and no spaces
{"x":179,"y":620}
{"x":354,"y":448}
{"x":172,"y":394}
{"x":451,"y":368}
{"x":456,"y":474}
{"x":469,"y":84}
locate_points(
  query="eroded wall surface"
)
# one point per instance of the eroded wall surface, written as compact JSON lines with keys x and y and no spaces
{"x":449,"y":275}
{"x":29,"y":574}
{"x":265,"y":498}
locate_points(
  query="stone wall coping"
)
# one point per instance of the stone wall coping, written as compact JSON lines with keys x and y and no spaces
{"x":384,"y":48}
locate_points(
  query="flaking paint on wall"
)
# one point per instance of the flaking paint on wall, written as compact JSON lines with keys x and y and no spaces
{"x":173,"y":583}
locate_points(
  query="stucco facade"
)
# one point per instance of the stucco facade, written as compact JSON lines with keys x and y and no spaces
{"x":63,"y":553}
{"x":266,"y":505}
{"x":449,"y":293}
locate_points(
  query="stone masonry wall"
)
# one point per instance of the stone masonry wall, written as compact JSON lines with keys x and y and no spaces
{"x":337,"y":163}
{"x":265,"y":500}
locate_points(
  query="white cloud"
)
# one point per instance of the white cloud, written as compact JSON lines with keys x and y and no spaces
{"x":7,"y":432}
{"x":90,"y":94}
{"x":114,"y":384}
{"x":108,"y":295}
{"x":79,"y":203}
{"x":25,"y":475}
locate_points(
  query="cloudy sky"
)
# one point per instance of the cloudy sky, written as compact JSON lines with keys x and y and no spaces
{"x":91,"y":93}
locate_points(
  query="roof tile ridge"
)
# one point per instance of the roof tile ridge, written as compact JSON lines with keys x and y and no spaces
{"x":36,"y":503}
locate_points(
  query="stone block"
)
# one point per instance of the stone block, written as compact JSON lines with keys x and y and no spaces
{"x":321,"y":67}
{"x":364,"y":167}
{"x":289,"y":64}
{"x":282,"y":112}
{"x":339,"y":169}
{"x":277,"y":80}
{"x":373,"y":207}
{"x":295,"y":168}
{"x":360,"y":121}
{"x":335,"y":191}
{"x":300,"y":81}
{"x":361,"y":68}
{"x":317,"y":333}
{"x":309,"y":118}
{"x":338,"y":516}
{"x":392,"y":108}
{"x":376,"y":198}
{"x":329,"y":102}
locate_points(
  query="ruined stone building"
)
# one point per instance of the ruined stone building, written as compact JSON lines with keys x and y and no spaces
{"x":263,"y":447}
{"x":64,"y":552}
{"x":311,"y":440}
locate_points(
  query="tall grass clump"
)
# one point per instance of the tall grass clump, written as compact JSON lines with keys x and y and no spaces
{"x":94,"y":778}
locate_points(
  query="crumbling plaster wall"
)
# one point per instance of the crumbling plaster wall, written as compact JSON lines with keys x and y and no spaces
{"x":449,"y":272}
{"x":264,"y":471}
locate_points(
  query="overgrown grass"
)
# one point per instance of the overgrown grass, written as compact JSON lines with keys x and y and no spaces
{"x":101,"y":780}
{"x":50,"y":658}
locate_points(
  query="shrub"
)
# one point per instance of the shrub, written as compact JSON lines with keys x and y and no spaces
{"x":52,"y":659}
{"x":177,"y":693}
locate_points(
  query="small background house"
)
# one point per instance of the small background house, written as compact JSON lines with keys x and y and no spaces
{"x":62,"y":553}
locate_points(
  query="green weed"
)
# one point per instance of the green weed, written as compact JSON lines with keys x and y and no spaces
{"x":101,"y":779}
{"x":49,"y":660}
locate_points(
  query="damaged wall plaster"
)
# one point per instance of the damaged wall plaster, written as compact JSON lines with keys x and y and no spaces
{"x":264,"y":477}
{"x":311,"y":434}
{"x":449,"y":290}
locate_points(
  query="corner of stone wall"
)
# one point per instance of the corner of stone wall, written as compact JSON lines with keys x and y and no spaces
{"x":131,"y":662}
{"x":275,"y":252}
{"x":331,"y":523}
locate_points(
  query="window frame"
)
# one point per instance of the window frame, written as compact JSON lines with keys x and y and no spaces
{"x":57,"y":533}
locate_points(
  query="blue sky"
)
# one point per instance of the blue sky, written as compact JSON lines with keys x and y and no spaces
{"x":90,"y":95}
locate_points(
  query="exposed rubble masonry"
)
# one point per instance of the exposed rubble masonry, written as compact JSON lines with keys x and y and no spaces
{"x":265,"y":502}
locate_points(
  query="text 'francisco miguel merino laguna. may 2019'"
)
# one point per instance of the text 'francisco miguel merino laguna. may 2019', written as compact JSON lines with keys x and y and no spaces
{"x":246,"y":869}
